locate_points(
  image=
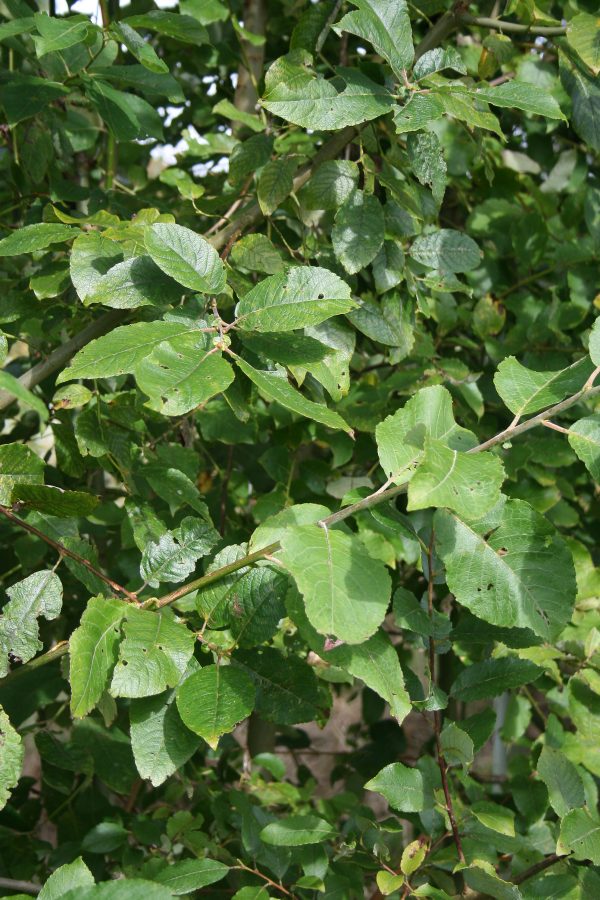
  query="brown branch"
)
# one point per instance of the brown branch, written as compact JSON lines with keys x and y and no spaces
{"x":538,"y":867}
{"x":14,"y":884}
{"x":64,"y":551}
{"x":43,"y":660}
{"x":437,"y":718}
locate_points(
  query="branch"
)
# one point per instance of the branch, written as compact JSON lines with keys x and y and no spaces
{"x":514,"y":27}
{"x":374,"y":499}
{"x":43,"y":660}
{"x":538,"y":867}
{"x":64,"y":551}
{"x":14,"y":884}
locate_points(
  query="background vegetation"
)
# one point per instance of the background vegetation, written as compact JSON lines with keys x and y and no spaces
{"x":299,"y":447}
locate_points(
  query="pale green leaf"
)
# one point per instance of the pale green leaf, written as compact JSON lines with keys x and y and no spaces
{"x":594,"y":342}
{"x":160,"y":741}
{"x":494,"y":816}
{"x":526,"y":391}
{"x":174,"y":555}
{"x":521,"y":95}
{"x":437,"y":60}
{"x":230,"y":111}
{"x":138,"y":47}
{"x":93,"y":652}
{"x":122,"y":350}
{"x":54,"y":501}
{"x":583,"y":34}
{"x":153,"y":655}
{"x":580,"y":834}
{"x":30,"y":238}
{"x":273,"y":385}
{"x":296,"y":831}
{"x":467,"y":483}
{"x":346,"y":592}
{"x":256,"y":253}
{"x":275,"y":184}
{"x":481,"y":876}
{"x":12,"y":753}
{"x":358,"y":231}
{"x":188,"y":875}
{"x":59,"y":33}
{"x":446,"y":250}
{"x":401,"y":786}
{"x":492,"y":677}
{"x":584,"y":438}
{"x":37,"y":595}
{"x":456,"y":745}
{"x":386,"y":25}
{"x":18,"y":465}
{"x":271,"y":530}
{"x":13,"y":386}
{"x":330,"y":185}
{"x":295,"y":94}
{"x":92,"y":256}
{"x":401,"y":437}
{"x":519,"y":575}
{"x":427,"y":162}
{"x":214,"y":700}
{"x":187,"y":257}
{"x":565,"y":787}
{"x":69,"y":877}
{"x":133,"y":283}
{"x":304,"y":295}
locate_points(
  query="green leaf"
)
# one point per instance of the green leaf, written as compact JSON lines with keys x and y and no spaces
{"x":437,"y":60}
{"x":59,"y":33}
{"x":580,"y":834}
{"x":386,"y":25}
{"x":256,"y":253}
{"x":446,"y":250}
{"x":37,"y":595}
{"x":12,"y":753}
{"x":358,"y":231}
{"x":494,"y":816}
{"x":151,"y":84}
{"x":122,"y":350}
{"x":15,"y":27}
{"x":275,"y":184}
{"x":525,"y":391}
{"x":413,"y":856}
{"x":188,"y":875}
{"x":275,"y":386}
{"x":30,"y":238}
{"x":160,"y":741}
{"x":133,"y":283}
{"x":127,"y":116}
{"x":594,"y":342}
{"x":13,"y":386}
{"x":174,"y":555}
{"x":121,"y":889}
{"x":69,"y":877}
{"x":388,"y":272}
{"x":23,"y":97}
{"x":293,"y":93}
{"x":104,"y":838}
{"x":180,"y":375}
{"x":521,"y":95}
{"x":256,"y":605}
{"x":469,"y":484}
{"x":583,"y":35}
{"x":456,"y":745}
{"x":330,"y":185}
{"x":375,"y":661}
{"x":584,"y":92}
{"x":137,"y":46}
{"x":565,"y":787}
{"x":179,"y":27}
{"x":93,"y":652}
{"x":271,"y":530}
{"x":214,"y":700}
{"x":427,"y":162}
{"x":287,"y":690}
{"x":54,"y":501}
{"x":584,"y":438}
{"x":481,"y":876}
{"x":492,"y":677}
{"x":401,"y":786}
{"x":153,"y":655}
{"x":401,"y":437}
{"x":346,"y":592}
{"x":304,"y":295}
{"x":18,"y":465}
{"x":297,"y":831}
{"x":186,"y":257}
{"x":92,"y":256}
{"x":521,"y":574}
{"x":228,"y":109}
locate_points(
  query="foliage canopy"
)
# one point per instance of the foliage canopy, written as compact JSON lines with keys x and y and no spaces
{"x":300,"y":415}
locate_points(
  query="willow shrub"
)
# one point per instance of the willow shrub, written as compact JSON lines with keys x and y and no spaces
{"x":299,"y":394}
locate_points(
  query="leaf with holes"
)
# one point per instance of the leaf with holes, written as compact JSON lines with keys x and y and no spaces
{"x":93,"y":652}
{"x":37,"y":595}
{"x":174,"y":555}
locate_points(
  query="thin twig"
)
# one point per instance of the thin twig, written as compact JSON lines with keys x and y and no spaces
{"x":437,"y":718}
{"x":64,"y":551}
{"x":538,"y":867}
{"x":514,"y":27}
{"x":14,"y":884}
{"x":265,"y":878}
